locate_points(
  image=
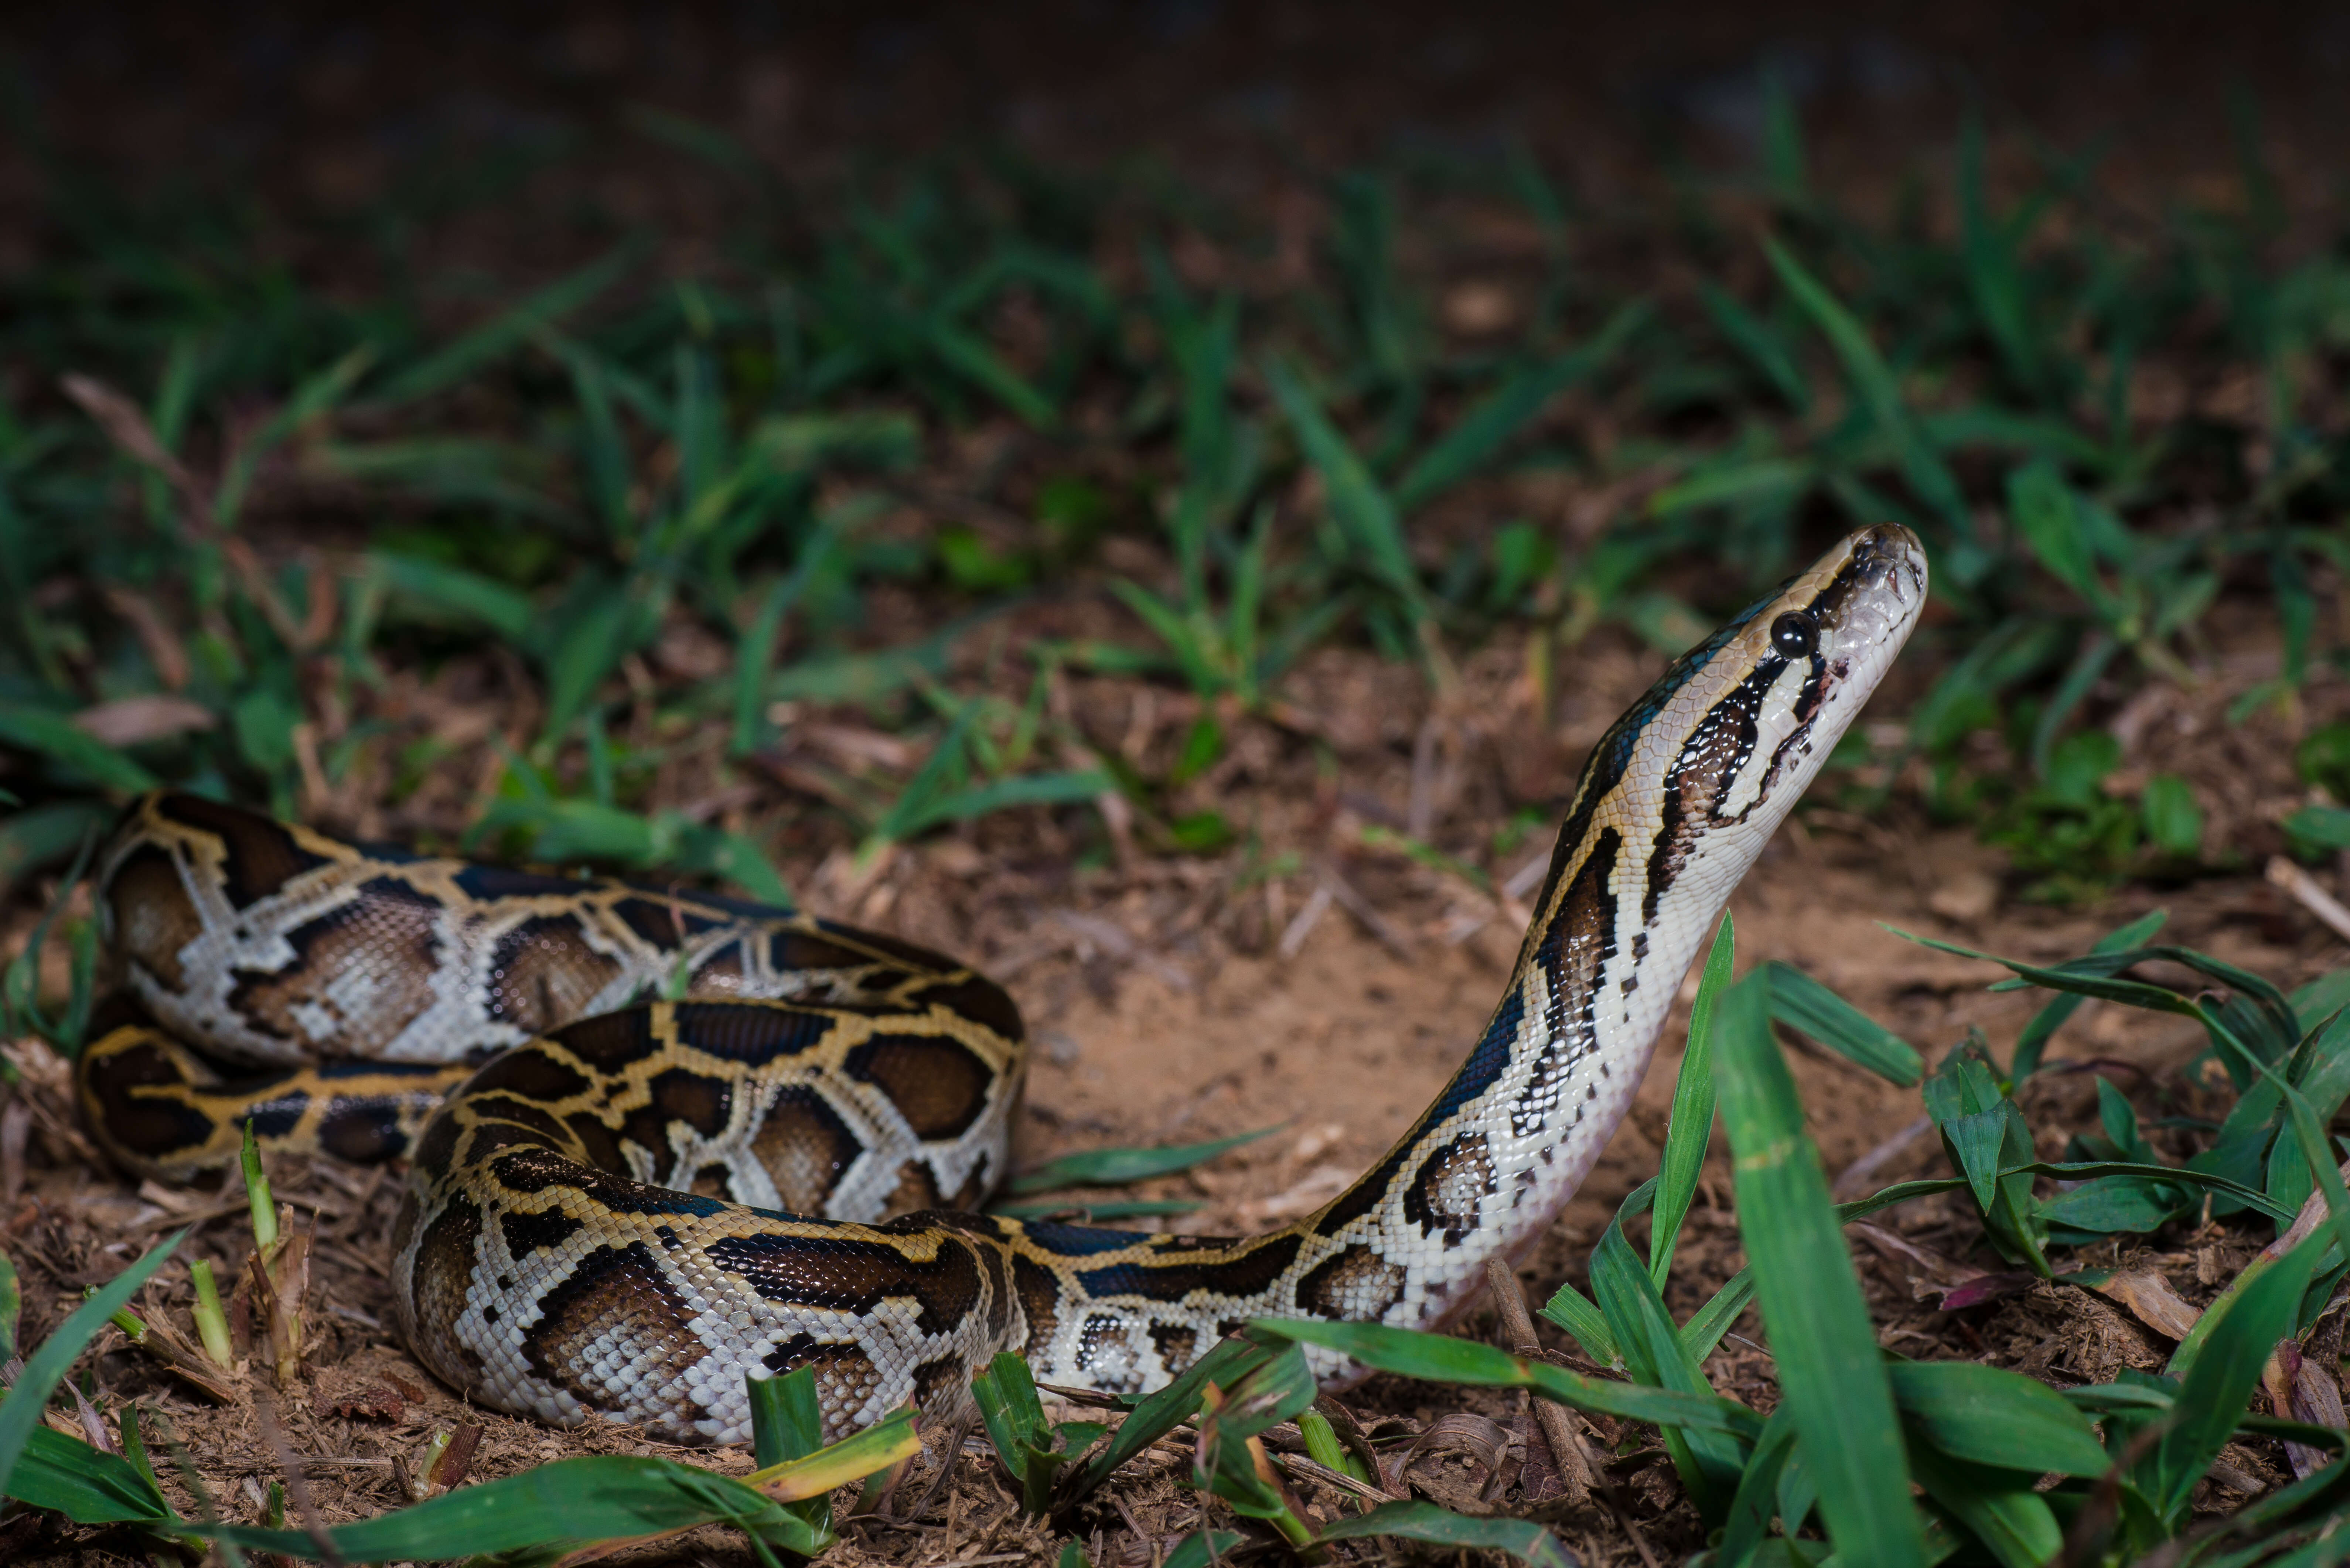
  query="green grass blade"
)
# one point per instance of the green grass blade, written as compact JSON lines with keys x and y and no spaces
{"x":1830,"y":1371}
{"x":1519,"y":1537}
{"x":1872,"y":381}
{"x":1115,"y":1166}
{"x":1439,"y":1358}
{"x":1708,"y":1463}
{"x":1992,"y":1417}
{"x":1158,"y":1414}
{"x":1691,"y":1125}
{"x":2033,"y":1044}
{"x":1579,"y":1315}
{"x":470,"y":352}
{"x":787,"y":1421}
{"x":20,"y":1412}
{"x":1802,"y":1003}
{"x":2211,"y":1401}
{"x":1494,"y":418}
{"x":56,"y":737}
{"x":452,"y":592}
{"x":1365,"y":514}
{"x":2000,"y":1506}
{"x":68,"y":1475}
{"x":1711,"y":1321}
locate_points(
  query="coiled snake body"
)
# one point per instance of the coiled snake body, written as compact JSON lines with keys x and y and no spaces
{"x":631,"y":1207}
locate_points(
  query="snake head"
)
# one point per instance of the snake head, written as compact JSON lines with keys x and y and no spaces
{"x":1768,"y":697}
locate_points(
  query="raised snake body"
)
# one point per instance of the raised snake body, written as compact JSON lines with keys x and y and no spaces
{"x":633,"y":1207}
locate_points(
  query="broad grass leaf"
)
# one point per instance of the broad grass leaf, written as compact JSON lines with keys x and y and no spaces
{"x":1992,"y":1416}
{"x":20,"y":1412}
{"x":1115,"y":1166}
{"x":2210,"y":1405}
{"x":452,"y":592}
{"x":1521,"y":1538}
{"x":1158,"y":1414}
{"x":1489,"y":422}
{"x":1441,"y":1359}
{"x":1691,"y":1124}
{"x":465,"y":355}
{"x":54,"y":735}
{"x":68,"y":1475}
{"x":1365,"y":514}
{"x":1576,"y":1313}
{"x":1830,"y":1370}
{"x":1999,"y":1506}
{"x":1708,"y":1463}
{"x":1802,"y":1003}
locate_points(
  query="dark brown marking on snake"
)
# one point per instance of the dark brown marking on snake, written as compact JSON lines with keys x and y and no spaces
{"x":939,"y":1382}
{"x":1254,"y":1269}
{"x":615,"y":1309}
{"x":152,"y":915}
{"x":598,"y":1144}
{"x":1178,"y":1343}
{"x":753,"y":1033}
{"x":365,"y":1130}
{"x":916,"y":1190}
{"x":939,"y":1085}
{"x":701,"y":1102}
{"x":277,"y":1115}
{"x":514,"y":1109}
{"x":610,"y":1041}
{"x":445,"y":1264}
{"x":386,"y":933}
{"x":544,"y":972}
{"x":1708,"y":765}
{"x":1573,"y":952}
{"x":438,"y":1142}
{"x":527,"y":1232}
{"x":1040,"y":1299}
{"x":149,"y":1126}
{"x":842,"y":1274}
{"x":804,"y":1146}
{"x":531,"y":1071}
{"x":979,"y":998}
{"x":1356,"y":1285}
{"x":1444,"y":1195}
{"x":258,"y":855}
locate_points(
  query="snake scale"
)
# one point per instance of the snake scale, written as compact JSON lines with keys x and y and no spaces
{"x":626,"y":1208}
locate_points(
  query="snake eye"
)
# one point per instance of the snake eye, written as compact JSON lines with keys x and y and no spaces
{"x":1796,"y":634}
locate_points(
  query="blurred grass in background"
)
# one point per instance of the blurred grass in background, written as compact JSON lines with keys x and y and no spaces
{"x":236,"y":501}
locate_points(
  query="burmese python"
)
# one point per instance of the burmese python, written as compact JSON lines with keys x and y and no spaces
{"x":633,"y":1206}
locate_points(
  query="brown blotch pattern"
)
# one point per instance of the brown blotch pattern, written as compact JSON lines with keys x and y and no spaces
{"x":1357,"y":1286}
{"x":939,"y":1085}
{"x":1448,"y":1193}
{"x":362,"y":973}
{"x":614,"y":1331}
{"x":445,"y":1264}
{"x":259,"y":857}
{"x":804,"y":1146}
{"x":543,"y":971}
{"x":153,"y":915}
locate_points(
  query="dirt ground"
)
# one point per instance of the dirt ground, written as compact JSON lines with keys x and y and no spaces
{"x":1176,"y":999}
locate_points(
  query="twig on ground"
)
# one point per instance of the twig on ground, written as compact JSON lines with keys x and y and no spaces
{"x":2304,"y":890}
{"x":297,"y":1487}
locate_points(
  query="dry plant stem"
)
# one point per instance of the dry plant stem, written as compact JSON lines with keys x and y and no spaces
{"x":1518,"y":1329}
{"x":298,"y":1489}
{"x":2303,"y":890}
